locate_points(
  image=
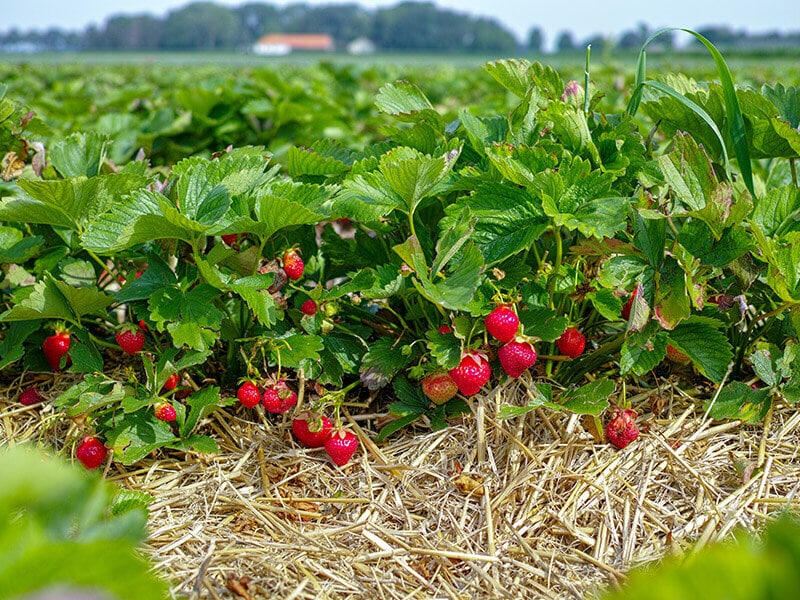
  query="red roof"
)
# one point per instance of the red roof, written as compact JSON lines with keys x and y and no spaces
{"x":298,"y":41}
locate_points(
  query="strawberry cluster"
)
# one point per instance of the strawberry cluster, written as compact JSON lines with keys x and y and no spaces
{"x":276,"y":398}
{"x":315,"y":430}
{"x":311,"y":428}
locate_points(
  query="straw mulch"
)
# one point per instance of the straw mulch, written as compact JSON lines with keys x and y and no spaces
{"x":531,"y":507}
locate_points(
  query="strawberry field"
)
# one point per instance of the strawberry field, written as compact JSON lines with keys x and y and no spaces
{"x":357,"y":331}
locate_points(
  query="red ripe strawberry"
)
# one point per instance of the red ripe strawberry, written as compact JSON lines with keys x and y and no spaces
{"x":143,"y":325}
{"x":91,"y":452}
{"x":571,"y":343}
{"x":471,"y":373}
{"x":248,"y":394}
{"x":293,"y":265}
{"x":312,"y":429}
{"x":30,"y":397}
{"x":165,"y":412}
{"x":279,"y":398}
{"x":677,"y":356}
{"x":626,"y":309}
{"x":55,"y":347}
{"x":516,"y":357}
{"x":341,"y":445}
{"x":309,"y":308}
{"x":231,"y":238}
{"x":621,"y":429}
{"x":439,"y":387}
{"x":171,"y":383}
{"x":502,"y":323}
{"x":445,"y":329}
{"x":131,"y":339}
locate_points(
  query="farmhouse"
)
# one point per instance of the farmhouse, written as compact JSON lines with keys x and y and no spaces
{"x":284,"y":43}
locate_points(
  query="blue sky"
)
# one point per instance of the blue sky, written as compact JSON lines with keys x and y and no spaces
{"x":582,"y":17}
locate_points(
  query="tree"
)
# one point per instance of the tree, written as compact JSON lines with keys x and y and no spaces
{"x":565,"y":42}
{"x":343,"y":22}
{"x":422,"y":26}
{"x":634,"y":39}
{"x":535,"y":39}
{"x":201,"y":25}
{"x":256,"y":19}
{"x":130,"y":32}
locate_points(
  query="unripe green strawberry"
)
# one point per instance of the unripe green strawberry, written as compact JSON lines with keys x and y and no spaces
{"x":341,"y":445}
{"x":55,"y":347}
{"x":91,"y":452}
{"x":439,"y":387}
{"x":131,"y":339}
{"x":571,"y":343}
{"x":621,"y":429}
{"x":516,"y":357}
{"x":471,"y":373}
{"x":502,"y":323}
{"x":677,"y":356}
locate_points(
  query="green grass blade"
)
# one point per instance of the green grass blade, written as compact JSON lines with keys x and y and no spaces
{"x":698,"y":110}
{"x":732,"y":110}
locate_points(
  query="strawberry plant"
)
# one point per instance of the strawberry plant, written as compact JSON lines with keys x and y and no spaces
{"x":437,"y":240}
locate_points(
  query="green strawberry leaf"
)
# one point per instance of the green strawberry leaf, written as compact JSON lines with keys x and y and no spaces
{"x":650,"y":237}
{"x":324,"y":157}
{"x":606,"y":303}
{"x":643,"y":350}
{"x":701,"y":339}
{"x":521,"y":164}
{"x":445,"y":348}
{"x":407,"y":102}
{"x":776,"y":212}
{"x":201,"y":404}
{"x":542,"y":396}
{"x":93,"y":393}
{"x":156,"y":276}
{"x":738,"y":400}
{"x":12,"y":345}
{"x":512,"y":74}
{"x":396,"y":425}
{"x":765,"y":367}
{"x":52,"y":299}
{"x":383,"y":361}
{"x":134,"y":435}
{"x":253,"y":291}
{"x":590,"y":399}
{"x":294,"y":350}
{"x":78,"y":154}
{"x":509,"y":219}
{"x":542,"y":323}
{"x":73,"y":203}
{"x":413,"y":175}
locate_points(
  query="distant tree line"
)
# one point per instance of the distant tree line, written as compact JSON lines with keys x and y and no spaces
{"x":209,"y":26}
{"x":406,"y":26}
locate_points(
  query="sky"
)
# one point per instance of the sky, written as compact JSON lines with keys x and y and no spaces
{"x":583,"y":17}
